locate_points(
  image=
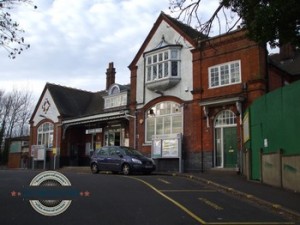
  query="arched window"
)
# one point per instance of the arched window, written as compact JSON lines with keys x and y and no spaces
{"x":45,"y":135}
{"x":224,"y":118}
{"x":163,"y":118}
{"x":114,"y":90}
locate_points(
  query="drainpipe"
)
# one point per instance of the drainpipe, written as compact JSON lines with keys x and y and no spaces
{"x":240,"y":162}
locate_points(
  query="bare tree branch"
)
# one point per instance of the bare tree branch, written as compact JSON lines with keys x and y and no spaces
{"x":11,"y":35}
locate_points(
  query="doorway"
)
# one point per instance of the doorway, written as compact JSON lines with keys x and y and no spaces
{"x":113,"y":137}
{"x":225,"y":153}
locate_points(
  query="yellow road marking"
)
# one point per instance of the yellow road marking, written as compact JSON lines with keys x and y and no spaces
{"x":197,"y":218}
{"x":191,"y":214}
{"x":210,"y":203}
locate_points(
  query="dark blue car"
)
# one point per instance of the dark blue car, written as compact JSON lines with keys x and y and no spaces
{"x":120,"y":159}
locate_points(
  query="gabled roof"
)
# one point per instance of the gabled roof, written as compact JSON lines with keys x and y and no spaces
{"x":76,"y":103}
{"x":290,"y":66}
{"x":70,"y":102}
{"x":187,"y":32}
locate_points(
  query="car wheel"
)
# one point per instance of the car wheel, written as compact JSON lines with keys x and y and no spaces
{"x":94,"y":168}
{"x":126,"y":169}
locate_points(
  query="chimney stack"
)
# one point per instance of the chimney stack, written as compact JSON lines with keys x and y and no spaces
{"x":110,"y":75}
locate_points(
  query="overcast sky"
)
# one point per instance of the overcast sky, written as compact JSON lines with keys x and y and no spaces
{"x":72,"y":42}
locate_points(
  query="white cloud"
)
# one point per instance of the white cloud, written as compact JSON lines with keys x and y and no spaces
{"x":72,"y":42}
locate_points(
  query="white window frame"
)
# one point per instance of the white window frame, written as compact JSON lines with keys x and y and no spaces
{"x":225,"y":118}
{"x":233,"y":75}
{"x":164,"y":112}
{"x":45,"y":136}
{"x":161,"y":62}
{"x":115,"y":101}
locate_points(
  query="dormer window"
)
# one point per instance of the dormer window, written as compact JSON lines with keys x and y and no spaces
{"x":114,"y":90}
{"x":163,"y":67}
{"x":115,"y":97}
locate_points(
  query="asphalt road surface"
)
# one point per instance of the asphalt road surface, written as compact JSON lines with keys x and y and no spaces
{"x":120,"y":200}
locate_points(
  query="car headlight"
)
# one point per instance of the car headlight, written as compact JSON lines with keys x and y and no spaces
{"x":136,"y":161}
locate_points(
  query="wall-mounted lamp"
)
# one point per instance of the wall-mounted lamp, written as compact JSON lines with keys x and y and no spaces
{"x":151,"y":112}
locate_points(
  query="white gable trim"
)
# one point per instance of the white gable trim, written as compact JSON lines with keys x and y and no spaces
{"x":46,"y":109}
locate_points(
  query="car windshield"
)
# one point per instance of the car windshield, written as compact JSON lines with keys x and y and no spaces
{"x":132,"y":152}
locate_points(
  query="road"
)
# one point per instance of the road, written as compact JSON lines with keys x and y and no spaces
{"x":120,"y":200}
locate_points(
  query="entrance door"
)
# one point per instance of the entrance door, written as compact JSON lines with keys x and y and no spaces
{"x":225,"y":140}
{"x":230,"y":147}
{"x":113,"y":137}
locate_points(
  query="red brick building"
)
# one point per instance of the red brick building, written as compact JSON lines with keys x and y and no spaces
{"x":183,"y":107}
{"x":218,"y":78}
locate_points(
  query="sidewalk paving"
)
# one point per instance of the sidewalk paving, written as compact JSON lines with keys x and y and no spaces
{"x":283,"y":201}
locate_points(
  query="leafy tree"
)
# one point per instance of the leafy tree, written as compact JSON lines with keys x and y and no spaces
{"x":276,"y":22}
{"x":11,"y":37}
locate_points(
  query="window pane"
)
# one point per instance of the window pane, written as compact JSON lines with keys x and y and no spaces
{"x":160,"y":70}
{"x":154,"y":72}
{"x":124,"y":100}
{"x":166,"y":55}
{"x":167,"y":125}
{"x":235,"y":72}
{"x":150,"y":128}
{"x":177,"y":124}
{"x":45,"y":127}
{"x":174,"y":66}
{"x":149,"y":73}
{"x":214,"y":77}
{"x":160,"y":57}
{"x":174,"y":54}
{"x":226,"y":117}
{"x":224,"y":74}
{"x":39,"y":142}
{"x":166,"y":69}
{"x":45,"y":139}
{"x":50,"y":141}
{"x":149,"y":60}
{"x":165,"y":108}
{"x":159,"y":125}
{"x":154,"y":58}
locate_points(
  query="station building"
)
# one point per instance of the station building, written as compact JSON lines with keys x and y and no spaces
{"x":183,"y":107}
